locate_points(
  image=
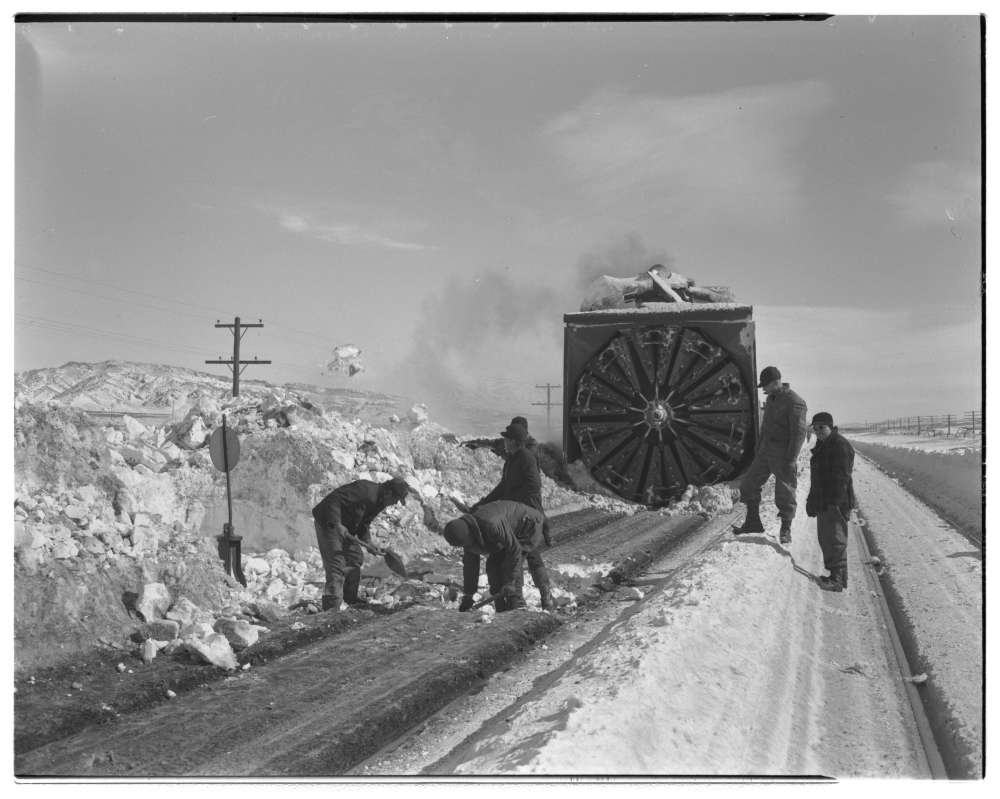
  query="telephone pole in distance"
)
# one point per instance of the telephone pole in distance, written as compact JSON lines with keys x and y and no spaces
{"x":238,"y":328}
{"x":548,"y":406}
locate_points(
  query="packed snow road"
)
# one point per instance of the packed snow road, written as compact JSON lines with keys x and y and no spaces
{"x":736,"y":664}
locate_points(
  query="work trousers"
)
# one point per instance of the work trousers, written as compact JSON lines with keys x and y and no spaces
{"x":785,"y":482}
{"x":342,"y":559}
{"x":494,"y":574}
{"x":539,"y":574}
{"x":831,"y":529}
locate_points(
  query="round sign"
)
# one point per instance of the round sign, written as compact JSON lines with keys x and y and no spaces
{"x":224,"y":456}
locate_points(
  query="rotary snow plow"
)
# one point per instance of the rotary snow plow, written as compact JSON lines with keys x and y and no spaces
{"x":659,"y":394}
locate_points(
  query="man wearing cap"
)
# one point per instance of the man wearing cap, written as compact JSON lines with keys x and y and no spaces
{"x":350,"y":509}
{"x":521,"y":481}
{"x":831,"y":497}
{"x":503,"y":531}
{"x":782,"y":431}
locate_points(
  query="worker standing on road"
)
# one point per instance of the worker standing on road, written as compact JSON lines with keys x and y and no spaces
{"x":521,"y":481}
{"x":831,"y":497}
{"x":782,"y":431}
{"x":504,"y":531}
{"x":348,"y":511}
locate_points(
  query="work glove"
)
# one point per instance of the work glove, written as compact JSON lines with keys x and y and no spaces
{"x":465,"y":604}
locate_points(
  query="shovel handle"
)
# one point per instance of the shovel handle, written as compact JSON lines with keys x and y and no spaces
{"x":460,"y":505}
{"x":486,"y":600}
{"x":370,"y":547}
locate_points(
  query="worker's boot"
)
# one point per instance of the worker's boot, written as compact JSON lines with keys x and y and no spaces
{"x":752,"y":523}
{"x":352,"y":582}
{"x":332,"y":600}
{"x":785,"y":536}
{"x":540,"y":577}
{"x":516,"y":602}
{"x":837,"y":581}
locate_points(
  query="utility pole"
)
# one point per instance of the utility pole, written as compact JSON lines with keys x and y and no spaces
{"x":548,"y":406}
{"x":224,"y":446}
{"x":238,"y":328}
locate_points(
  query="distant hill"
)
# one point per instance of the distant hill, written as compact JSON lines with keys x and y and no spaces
{"x":173,"y":390}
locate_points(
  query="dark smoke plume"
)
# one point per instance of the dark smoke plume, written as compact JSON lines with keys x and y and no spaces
{"x":479,"y":348}
{"x":627,"y":256}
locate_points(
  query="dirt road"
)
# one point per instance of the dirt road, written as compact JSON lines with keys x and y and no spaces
{"x":326,"y":705}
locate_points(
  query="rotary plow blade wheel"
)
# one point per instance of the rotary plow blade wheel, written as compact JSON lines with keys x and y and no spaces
{"x":659,"y":408}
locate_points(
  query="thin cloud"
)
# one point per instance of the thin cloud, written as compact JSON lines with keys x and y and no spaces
{"x":873,"y":363}
{"x":938,"y":193}
{"x":728,"y":152}
{"x":343,"y":233}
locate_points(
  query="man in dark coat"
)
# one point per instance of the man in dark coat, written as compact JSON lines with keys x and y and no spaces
{"x":521,"y":481}
{"x":782,"y":431}
{"x":350,"y":509}
{"x":831,"y":497}
{"x":503,"y":531}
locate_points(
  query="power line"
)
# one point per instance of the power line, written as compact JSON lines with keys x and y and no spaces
{"x":123,"y":289}
{"x":70,"y":328}
{"x":312,"y":336}
{"x":132,"y":303}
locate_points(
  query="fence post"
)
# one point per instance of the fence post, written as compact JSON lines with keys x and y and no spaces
{"x":918,"y":426}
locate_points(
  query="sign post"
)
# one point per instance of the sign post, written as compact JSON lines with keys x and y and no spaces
{"x":224,"y":447}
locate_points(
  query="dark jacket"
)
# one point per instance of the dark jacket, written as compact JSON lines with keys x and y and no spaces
{"x":783,"y":428}
{"x":353,"y":505}
{"x":830,"y":470}
{"x":520,"y":481}
{"x":503,"y":528}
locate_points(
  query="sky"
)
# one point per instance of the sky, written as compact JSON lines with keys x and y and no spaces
{"x":439,"y":195}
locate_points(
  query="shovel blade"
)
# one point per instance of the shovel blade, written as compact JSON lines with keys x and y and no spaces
{"x":394,"y":562}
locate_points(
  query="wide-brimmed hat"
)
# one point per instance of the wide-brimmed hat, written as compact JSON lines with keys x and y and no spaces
{"x":516,"y":432}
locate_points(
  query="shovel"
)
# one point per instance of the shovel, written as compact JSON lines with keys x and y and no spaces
{"x":392,"y":560}
{"x":486,"y":600}
{"x":460,"y":505}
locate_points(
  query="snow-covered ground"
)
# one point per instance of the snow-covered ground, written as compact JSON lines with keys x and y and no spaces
{"x":925,"y":443}
{"x":937,"y":575}
{"x":743,"y":666}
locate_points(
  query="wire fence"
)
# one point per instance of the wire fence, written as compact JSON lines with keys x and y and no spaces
{"x":952,"y":425}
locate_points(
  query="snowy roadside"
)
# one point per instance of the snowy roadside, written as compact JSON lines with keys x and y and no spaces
{"x":742,"y":666}
{"x":929,"y":443}
{"x":937,"y":576}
